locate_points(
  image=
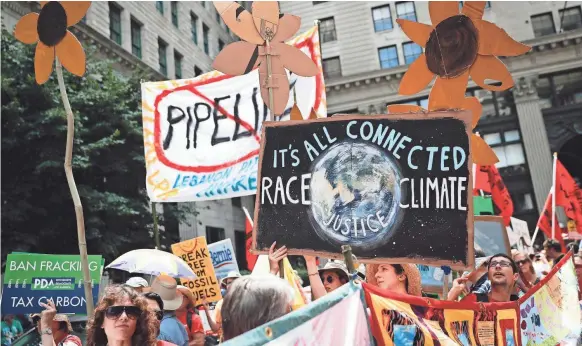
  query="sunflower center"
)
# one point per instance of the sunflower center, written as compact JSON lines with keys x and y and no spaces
{"x":52,"y":23}
{"x":452,"y":47}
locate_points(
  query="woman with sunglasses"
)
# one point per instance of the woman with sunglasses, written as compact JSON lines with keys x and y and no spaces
{"x":527,"y":272}
{"x":156,"y":307}
{"x":121,"y":319}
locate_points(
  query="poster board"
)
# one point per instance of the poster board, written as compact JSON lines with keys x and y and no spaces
{"x":491,"y":235}
{"x":432,"y":278}
{"x":195,"y":253}
{"x":320,"y":177}
{"x":519,"y":236}
{"x":31,"y":279}
{"x":185,"y":120}
{"x":223,"y":258}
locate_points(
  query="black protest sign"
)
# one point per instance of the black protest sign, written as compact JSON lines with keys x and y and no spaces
{"x":394,"y":187}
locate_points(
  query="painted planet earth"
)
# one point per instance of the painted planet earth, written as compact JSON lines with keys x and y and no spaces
{"x":355,"y":194}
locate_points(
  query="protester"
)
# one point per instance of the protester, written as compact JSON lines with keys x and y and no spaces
{"x":11,"y":329}
{"x":322,"y":281}
{"x":120,"y":319}
{"x":265,"y":298}
{"x":187,"y":315}
{"x":398,"y":278}
{"x":171,"y":329}
{"x":216,"y":322}
{"x":541,"y":265}
{"x":502,"y":273}
{"x":156,"y":307}
{"x":137,"y":283}
{"x":578,"y":264}
{"x":526,"y":271}
{"x":553,"y":251}
{"x":60,"y":327}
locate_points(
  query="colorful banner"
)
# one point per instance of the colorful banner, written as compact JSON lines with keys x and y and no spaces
{"x":202,"y":135}
{"x":195,"y":253}
{"x":223,"y":258}
{"x":31,"y":279}
{"x":550,"y":311}
{"x":338,"y":318}
{"x":407,"y":320}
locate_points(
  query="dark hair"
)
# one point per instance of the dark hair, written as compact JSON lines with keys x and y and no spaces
{"x":573,"y":247}
{"x":511,"y":261}
{"x":156,"y":297}
{"x":479,"y":253}
{"x":553,"y":244}
{"x":145,"y":330}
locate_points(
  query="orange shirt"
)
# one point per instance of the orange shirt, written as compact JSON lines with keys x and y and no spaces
{"x":196,"y":323}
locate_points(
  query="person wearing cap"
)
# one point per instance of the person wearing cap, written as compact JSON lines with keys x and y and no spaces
{"x":398,"y":278}
{"x":55,"y":329}
{"x":171,"y":329}
{"x":137,"y":283}
{"x":189,"y":318}
{"x":216,"y":323}
{"x":327,"y":279}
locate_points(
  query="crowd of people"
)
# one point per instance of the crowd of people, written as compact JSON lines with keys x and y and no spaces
{"x":165,"y":313}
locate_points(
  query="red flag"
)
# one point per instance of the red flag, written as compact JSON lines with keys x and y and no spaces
{"x":500,"y":194}
{"x":251,"y":259}
{"x":545,"y":222}
{"x":481,"y":180}
{"x":566,"y":194}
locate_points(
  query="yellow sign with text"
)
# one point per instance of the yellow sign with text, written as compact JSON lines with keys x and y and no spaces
{"x":195,"y":253}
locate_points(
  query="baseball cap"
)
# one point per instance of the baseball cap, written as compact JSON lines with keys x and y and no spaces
{"x":137,"y":282}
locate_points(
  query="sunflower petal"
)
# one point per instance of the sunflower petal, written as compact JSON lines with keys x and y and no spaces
{"x":44,"y":57}
{"x":416,"y":78}
{"x":288,"y":26}
{"x":441,"y":10}
{"x":393,"y":109}
{"x":266,"y":16}
{"x":495,"y":41}
{"x":474,"y":9}
{"x":481,"y":152}
{"x":488,"y":67}
{"x":25,"y":30}
{"x":473,"y":104}
{"x":448,"y":93}
{"x":295,"y":60}
{"x":70,"y":53}
{"x":417,"y":32}
{"x":237,"y":58}
{"x":75,"y":10}
{"x":239,"y":20}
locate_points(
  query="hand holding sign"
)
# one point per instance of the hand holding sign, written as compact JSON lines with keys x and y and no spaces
{"x":47,"y":315}
{"x":459,"y":286}
{"x":275,"y":256}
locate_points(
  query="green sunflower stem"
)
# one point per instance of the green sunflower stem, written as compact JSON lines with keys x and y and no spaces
{"x":75,"y":192}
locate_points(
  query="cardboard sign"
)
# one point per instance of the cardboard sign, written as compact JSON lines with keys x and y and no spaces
{"x":433,"y":278}
{"x":491,"y":235}
{"x":223,"y":258}
{"x":396,"y":188}
{"x":31,"y":279}
{"x":196,"y":254}
{"x":519,"y":236}
{"x":201,"y":135}
{"x":482,"y":206}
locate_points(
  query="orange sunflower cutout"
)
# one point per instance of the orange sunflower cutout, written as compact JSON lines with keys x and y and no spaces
{"x":49,"y":29}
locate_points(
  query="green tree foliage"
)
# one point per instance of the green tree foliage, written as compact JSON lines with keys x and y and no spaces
{"x":108,"y":160}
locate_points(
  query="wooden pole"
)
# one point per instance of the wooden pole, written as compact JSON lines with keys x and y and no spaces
{"x":269,"y":80}
{"x":75,"y":192}
{"x":156,"y":229}
{"x":348,"y":259}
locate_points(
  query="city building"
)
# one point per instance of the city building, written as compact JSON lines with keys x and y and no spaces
{"x":365,"y":54}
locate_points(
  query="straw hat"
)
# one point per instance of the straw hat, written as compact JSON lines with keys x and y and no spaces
{"x":337,"y":267}
{"x":410,"y":270}
{"x":165,"y":286}
{"x":187,"y":293}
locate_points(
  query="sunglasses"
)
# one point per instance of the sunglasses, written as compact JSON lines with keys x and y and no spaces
{"x":521,"y":262}
{"x":114,"y":312}
{"x":329,"y":279}
{"x":159,"y":314}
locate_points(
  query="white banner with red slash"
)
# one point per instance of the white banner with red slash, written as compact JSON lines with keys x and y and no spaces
{"x":202,"y":135}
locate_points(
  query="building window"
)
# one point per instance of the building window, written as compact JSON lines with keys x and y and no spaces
{"x":327,"y":30}
{"x":236,"y":202}
{"x":162,"y":48}
{"x":388,"y":57}
{"x":543,"y":24}
{"x":507,"y":146}
{"x":571,"y":18}
{"x":411,"y":52}
{"x":332,"y":67}
{"x":114,"y":23}
{"x":160,"y":6}
{"x":561,"y":89}
{"x":178,"y":65}
{"x":174,"y":11}
{"x":220,"y":45}
{"x":197,"y":71}
{"x":194,"y":29}
{"x":136,"y":38}
{"x":405,"y":10}
{"x":495,"y":104}
{"x":523,"y":202}
{"x":214,"y":234}
{"x":487,"y":5}
{"x":382,"y":18}
{"x":205,"y":38}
